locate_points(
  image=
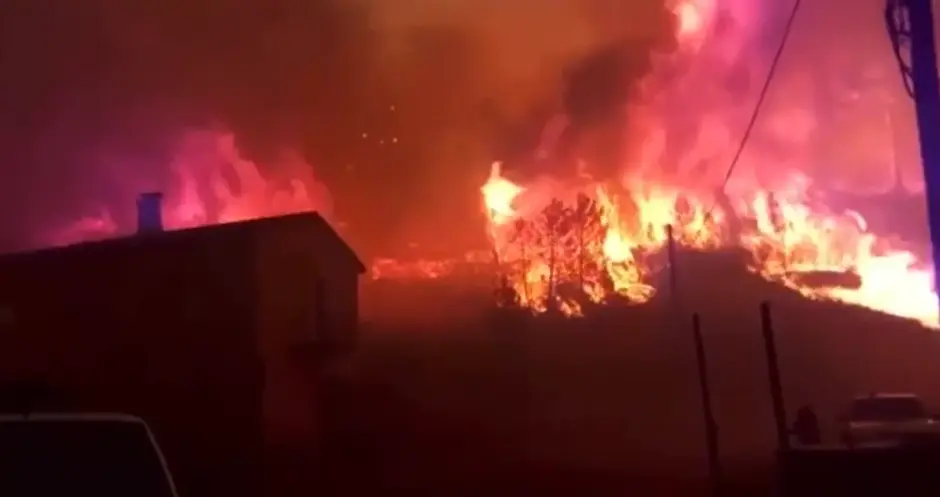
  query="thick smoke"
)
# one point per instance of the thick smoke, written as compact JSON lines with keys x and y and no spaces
{"x":398,"y":103}
{"x":511,"y":56}
{"x":402,"y":104}
{"x":478,"y":81}
{"x":839,"y":78}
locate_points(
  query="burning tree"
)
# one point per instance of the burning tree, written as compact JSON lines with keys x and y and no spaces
{"x":560,"y":259}
{"x":599,"y":247}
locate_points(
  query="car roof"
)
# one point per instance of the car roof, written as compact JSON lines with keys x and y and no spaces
{"x":107,"y":417}
{"x":878,"y":396}
{"x":111,"y":417}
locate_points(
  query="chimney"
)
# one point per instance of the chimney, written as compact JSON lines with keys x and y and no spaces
{"x":150,"y":212}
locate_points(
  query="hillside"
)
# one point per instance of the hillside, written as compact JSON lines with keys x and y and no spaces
{"x":462,"y":389}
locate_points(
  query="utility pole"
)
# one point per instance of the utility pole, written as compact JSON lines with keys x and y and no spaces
{"x":711,"y":425}
{"x":773,"y":374}
{"x":910,"y":28}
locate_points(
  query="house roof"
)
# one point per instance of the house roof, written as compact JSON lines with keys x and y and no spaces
{"x":333,"y":246}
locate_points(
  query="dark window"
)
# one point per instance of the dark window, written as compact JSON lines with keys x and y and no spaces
{"x":78,"y":458}
{"x":888,"y":409}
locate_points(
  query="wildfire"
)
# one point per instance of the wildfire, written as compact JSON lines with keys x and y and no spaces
{"x":598,"y":247}
{"x":692,"y":19}
{"x":561,"y":246}
{"x":591,"y":244}
{"x":211,"y":182}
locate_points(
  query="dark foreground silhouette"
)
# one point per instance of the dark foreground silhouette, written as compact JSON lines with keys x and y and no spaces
{"x":455,"y":399}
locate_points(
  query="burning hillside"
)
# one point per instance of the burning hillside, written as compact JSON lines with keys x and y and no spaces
{"x":593,"y":244}
{"x":558,"y":245}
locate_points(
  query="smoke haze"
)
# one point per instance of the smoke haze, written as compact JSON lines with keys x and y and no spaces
{"x":398,"y":105}
{"x":340,"y":81}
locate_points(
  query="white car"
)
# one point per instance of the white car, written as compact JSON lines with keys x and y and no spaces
{"x":102,"y":455}
{"x":888,"y":419}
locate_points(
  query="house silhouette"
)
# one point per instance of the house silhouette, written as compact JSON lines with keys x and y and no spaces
{"x":213,"y":335}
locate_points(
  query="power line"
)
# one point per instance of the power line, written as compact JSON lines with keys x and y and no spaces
{"x":760,"y":99}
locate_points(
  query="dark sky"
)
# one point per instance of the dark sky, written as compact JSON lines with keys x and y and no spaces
{"x":97,"y":77}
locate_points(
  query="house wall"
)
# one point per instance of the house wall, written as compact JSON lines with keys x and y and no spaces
{"x":339,"y":309}
{"x":304,"y":305}
{"x":288,"y":294}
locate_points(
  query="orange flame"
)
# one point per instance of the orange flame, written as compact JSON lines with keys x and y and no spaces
{"x":212,"y":183}
{"x":786,"y":238}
